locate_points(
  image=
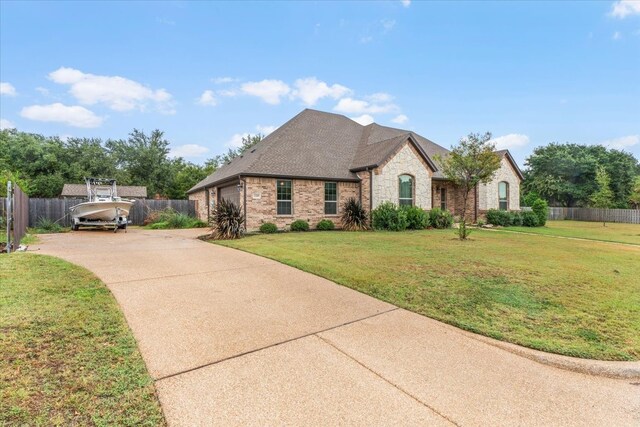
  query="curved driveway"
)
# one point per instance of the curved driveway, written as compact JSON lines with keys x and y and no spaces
{"x":235,"y":339}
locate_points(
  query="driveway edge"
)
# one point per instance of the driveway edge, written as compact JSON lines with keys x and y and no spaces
{"x":601,"y":368}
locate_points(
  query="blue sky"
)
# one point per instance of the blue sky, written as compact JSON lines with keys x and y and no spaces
{"x":206,"y":73}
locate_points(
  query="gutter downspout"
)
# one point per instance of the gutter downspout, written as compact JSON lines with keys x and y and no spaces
{"x":207,"y":201}
{"x":243,"y":182}
{"x":370,"y":191}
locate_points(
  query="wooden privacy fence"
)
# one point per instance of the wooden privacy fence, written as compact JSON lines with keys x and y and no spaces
{"x":58,"y":209}
{"x":630,"y":216}
{"x":15,"y":215}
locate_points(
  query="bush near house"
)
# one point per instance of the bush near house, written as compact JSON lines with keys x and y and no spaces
{"x":300,"y":225}
{"x":541,"y":209}
{"x":354,"y":217}
{"x":227,"y":221}
{"x":507,"y":218}
{"x":440,"y":219}
{"x":325,"y":225}
{"x":268,"y":227}
{"x":169,"y":218}
{"x":387,"y":216}
{"x":417,"y":218}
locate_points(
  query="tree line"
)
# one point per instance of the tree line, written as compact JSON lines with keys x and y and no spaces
{"x":41,"y":165}
{"x":573,"y":175}
{"x":570,"y":175}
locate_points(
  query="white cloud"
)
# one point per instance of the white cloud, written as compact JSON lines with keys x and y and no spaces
{"x":42,"y":90}
{"x":623,"y":142}
{"x":6,"y":124}
{"x":227,"y":92}
{"x":617,"y":35}
{"x":236,"y":140}
{"x":357,"y":106}
{"x":270,"y":91}
{"x":189,"y":150}
{"x":379,"y":97}
{"x":223,"y":80}
{"x":387,"y":25}
{"x":405,"y":3}
{"x":364,"y":119}
{"x":118,"y":93}
{"x":265,"y":130}
{"x":512,"y":140}
{"x":207,"y":98}
{"x":400,"y":119}
{"x":7,"y":89}
{"x":366,"y":39}
{"x":71,"y":115}
{"x":623,"y":8}
{"x":165,"y":21}
{"x":310,"y":90}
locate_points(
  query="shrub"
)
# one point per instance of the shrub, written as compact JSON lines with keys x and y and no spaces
{"x":480,"y":223}
{"x":530,"y":219}
{"x":440,"y":219}
{"x":388,"y":216}
{"x":300,"y":225}
{"x":498,"y":217}
{"x":268,"y":228}
{"x":354,"y":217}
{"x":516,"y":219}
{"x":325,"y":225}
{"x":227,"y":221}
{"x":541,"y":209}
{"x":417,"y":218}
{"x":529,"y":198}
{"x":46,"y":225}
{"x":169,"y":218}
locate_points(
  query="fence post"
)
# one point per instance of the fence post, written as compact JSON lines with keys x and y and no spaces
{"x":9,"y":216}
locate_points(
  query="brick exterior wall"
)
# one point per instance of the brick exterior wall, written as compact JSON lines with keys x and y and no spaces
{"x":365,"y":189}
{"x":455,"y":199}
{"x":406,"y":161}
{"x":488,"y":193}
{"x":201,"y":204}
{"x":308,"y":202}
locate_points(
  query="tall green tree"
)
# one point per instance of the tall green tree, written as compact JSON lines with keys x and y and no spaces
{"x":565,"y":174}
{"x":634,"y":197}
{"x":143,"y":159}
{"x":603,"y":197}
{"x":248,"y":142}
{"x":471,"y":162}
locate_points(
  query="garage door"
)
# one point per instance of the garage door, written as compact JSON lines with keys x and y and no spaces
{"x":230,"y":194}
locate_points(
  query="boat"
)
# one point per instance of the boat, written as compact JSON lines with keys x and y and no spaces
{"x":103,"y":208}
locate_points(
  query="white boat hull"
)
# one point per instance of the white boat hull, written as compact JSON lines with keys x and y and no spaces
{"x":101,"y":211}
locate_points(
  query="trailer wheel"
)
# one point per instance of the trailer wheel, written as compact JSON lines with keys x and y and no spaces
{"x":75,"y":227}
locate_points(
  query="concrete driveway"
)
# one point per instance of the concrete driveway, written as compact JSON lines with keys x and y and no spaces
{"x":234,"y":339}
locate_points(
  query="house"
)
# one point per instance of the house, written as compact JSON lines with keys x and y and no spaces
{"x":311,"y":165}
{"x":79,"y":191}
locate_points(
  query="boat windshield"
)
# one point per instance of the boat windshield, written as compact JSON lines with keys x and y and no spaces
{"x":103,"y":192}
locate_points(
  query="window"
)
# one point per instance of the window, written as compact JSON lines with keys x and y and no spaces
{"x":283,"y":197}
{"x":443,"y":199}
{"x":503,"y":196}
{"x":330,"y":198}
{"x":406,"y":190}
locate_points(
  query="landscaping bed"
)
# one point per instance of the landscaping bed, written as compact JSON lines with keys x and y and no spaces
{"x":67,"y":356}
{"x":576,"y":298}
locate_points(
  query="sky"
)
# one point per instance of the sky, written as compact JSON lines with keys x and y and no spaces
{"x":207,"y":73}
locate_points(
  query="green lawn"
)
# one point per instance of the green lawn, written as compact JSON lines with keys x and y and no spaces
{"x":613,"y":232}
{"x":67,"y":357}
{"x":579,"y":298}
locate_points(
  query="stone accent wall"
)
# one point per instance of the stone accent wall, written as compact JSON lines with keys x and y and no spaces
{"x":201,"y":203}
{"x":455,"y":199}
{"x":406,"y":161}
{"x":308,"y":202}
{"x":365,"y":189}
{"x":488,"y":193}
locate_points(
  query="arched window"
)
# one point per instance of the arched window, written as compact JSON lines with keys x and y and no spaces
{"x":503,"y":196}
{"x":405,"y":190}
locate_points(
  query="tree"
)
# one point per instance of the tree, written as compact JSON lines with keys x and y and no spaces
{"x":248,"y":142}
{"x":603,"y":196}
{"x":471,"y":162}
{"x":565,"y":174}
{"x":634,"y":197}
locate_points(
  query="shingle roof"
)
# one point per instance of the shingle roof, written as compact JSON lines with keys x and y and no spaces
{"x":316,"y":144}
{"x":80,"y":190}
